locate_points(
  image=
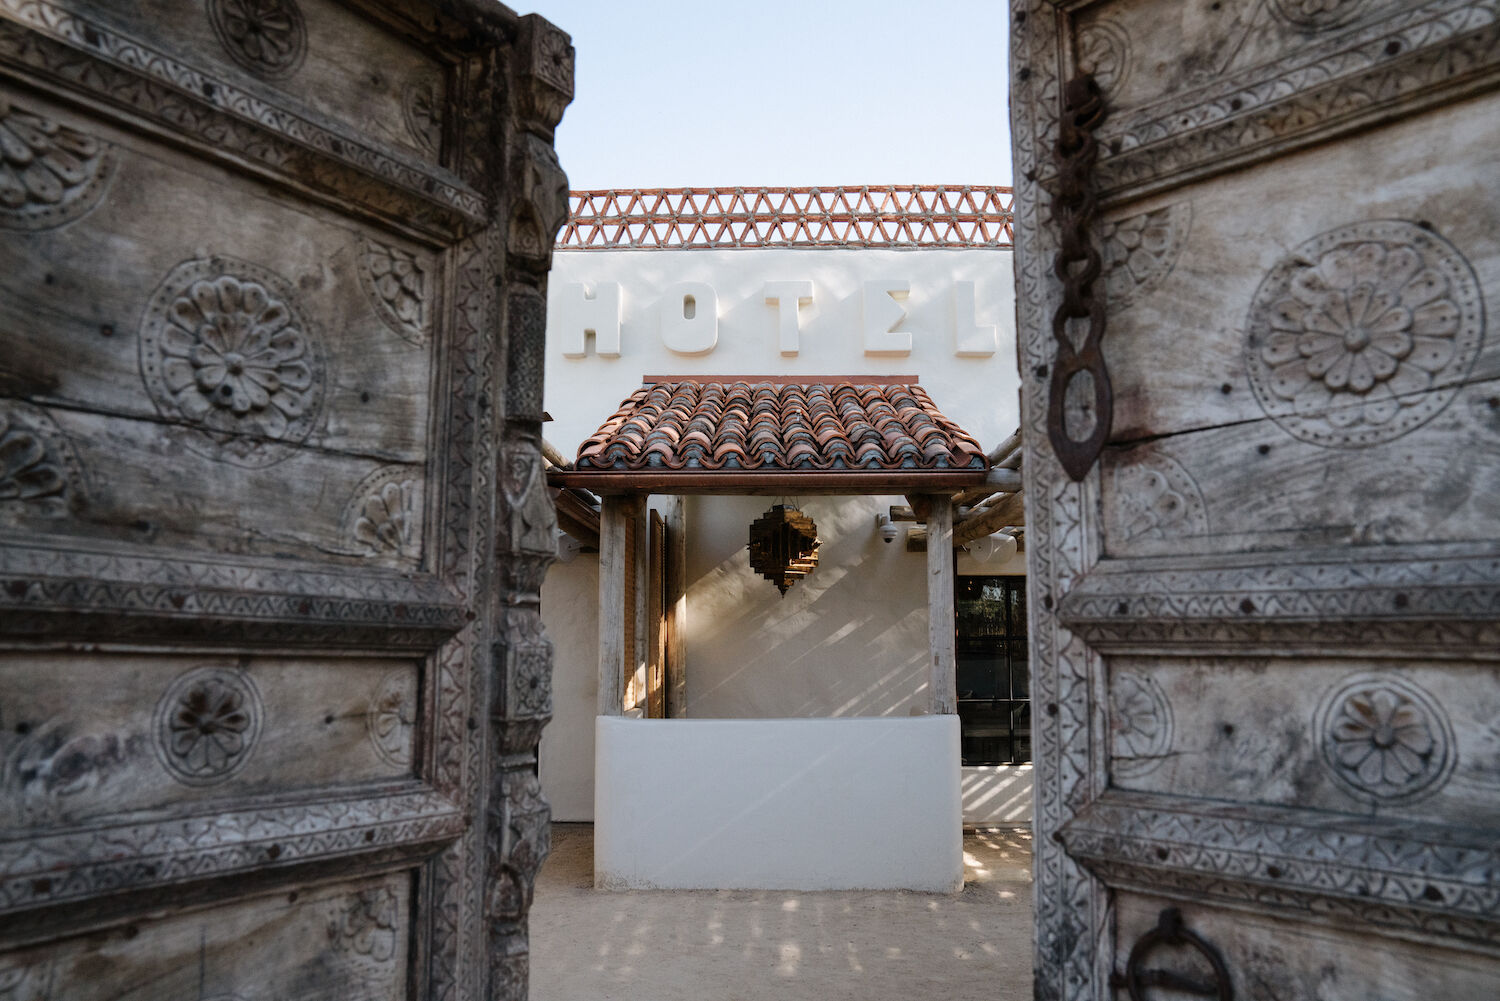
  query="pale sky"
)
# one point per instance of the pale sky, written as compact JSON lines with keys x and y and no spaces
{"x":708,"y":93}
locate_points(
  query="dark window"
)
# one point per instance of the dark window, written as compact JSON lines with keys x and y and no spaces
{"x":994,"y":701}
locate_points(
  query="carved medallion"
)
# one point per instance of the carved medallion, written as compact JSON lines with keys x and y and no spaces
{"x":31,"y":981}
{"x":1154,"y":500}
{"x":383,"y":516}
{"x":392,"y":717}
{"x":1385,"y":739}
{"x":207,"y":724}
{"x":1141,"y":250}
{"x":423,"y":114}
{"x":266,"y":37}
{"x":1104,"y":51}
{"x":1363,"y":333}
{"x":39,"y":474}
{"x":225,"y":349}
{"x":366,"y":924}
{"x":532,"y":683}
{"x":397,"y":288}
{"x":1140,"y":725}
{"x":1316,"y":15}
{"x":49,"y":174}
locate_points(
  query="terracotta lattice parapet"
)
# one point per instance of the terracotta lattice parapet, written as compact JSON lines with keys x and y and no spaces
{"x":894,"y":215}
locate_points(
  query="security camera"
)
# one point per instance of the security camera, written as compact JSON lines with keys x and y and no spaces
{"x":888,"y":528}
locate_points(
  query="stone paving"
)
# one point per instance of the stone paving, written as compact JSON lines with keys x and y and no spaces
{"x":758,"y":945}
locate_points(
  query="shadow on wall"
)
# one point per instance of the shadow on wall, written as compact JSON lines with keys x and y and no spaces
{"x":849,"y":640}
{"x":997,"y":794}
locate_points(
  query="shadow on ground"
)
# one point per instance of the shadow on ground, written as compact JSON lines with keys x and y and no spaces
{"x":760,"y":945}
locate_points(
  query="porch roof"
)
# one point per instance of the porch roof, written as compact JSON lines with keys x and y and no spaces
{"x":777,"y":434}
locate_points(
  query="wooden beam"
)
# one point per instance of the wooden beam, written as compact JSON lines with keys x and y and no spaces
{"x":1008,"y":480}
{"x":972,"y":494}
{"x":1005,"y":449}
{"x":576,"y":517}
{"x":919,"y":506}
{"x":941,"y":682}
{"x":1008,"y":512}
{"x":612,"y":569}
{"x":916,"y":539}
{"x":642,"y":631}
{"x":902,"y":512}
{"x":553,"y":456}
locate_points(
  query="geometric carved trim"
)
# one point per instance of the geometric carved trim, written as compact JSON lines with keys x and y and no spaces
{"x":49,"y":174}
{"x":55,"y":44}
{"x":1422,"y":878}
{"x":1425,"y":601}
{"x":50,"y":592}
{"x":225,"y":349}
{"x":1363,"y":333}
{"x":56,"y":868}
{"x":1410,"y":59}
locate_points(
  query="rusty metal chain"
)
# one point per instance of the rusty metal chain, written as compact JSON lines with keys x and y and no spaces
{"x":1078,"y":267}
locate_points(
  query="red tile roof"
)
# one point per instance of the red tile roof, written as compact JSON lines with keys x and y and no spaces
{"x":786,"y":425}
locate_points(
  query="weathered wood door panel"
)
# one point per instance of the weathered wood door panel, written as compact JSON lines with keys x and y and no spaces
{"x":1265,"y":616}
{"x":272,"y":520}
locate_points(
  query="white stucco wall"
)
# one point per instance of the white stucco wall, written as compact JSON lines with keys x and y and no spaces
{"x":850,"y":640}
{"x":824,"y":804}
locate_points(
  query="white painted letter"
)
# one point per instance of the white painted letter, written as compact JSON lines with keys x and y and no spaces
{"x":970,"y":339}
{"x":788,"y":297}
{"x":580,"y":314}
{"x":883,"y":315}
{"x":690,"y":318}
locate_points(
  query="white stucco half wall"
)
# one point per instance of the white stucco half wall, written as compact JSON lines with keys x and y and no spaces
{"x":825,"y":804}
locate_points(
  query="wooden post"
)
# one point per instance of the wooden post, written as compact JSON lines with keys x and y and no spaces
{"x":612,"y":609}
{"x":941,"y":681}
{"x":676,"y":610}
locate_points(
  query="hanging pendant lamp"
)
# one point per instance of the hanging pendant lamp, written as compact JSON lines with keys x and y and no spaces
{"x":783,"y":546}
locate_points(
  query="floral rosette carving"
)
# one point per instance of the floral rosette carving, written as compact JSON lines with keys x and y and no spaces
{"x":384,"y":514}
{"x":1385,"y":739}
{"x":396,"y":286}
{"x":392,"y":718}
{"x":49,"y":174}
{"x":1140,"y":725}
{"x":38,"y":471}
{"x":1363,"y":333}
{"x":225,"y":349}
{"x":207,"y":725}
{"x":1153,"y":505}
{"x":367,"y":924}
{"x":1141,"y":250}
{"x":422,"y":112}
{"x":266,"y":37}
{"x":1104,"y":50}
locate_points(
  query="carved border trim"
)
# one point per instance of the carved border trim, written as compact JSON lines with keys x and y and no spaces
{"x":54,"y":869}
{"x":1417,"y":603}
{"x":1389,"y":872}
{"x":1071,"y":906}
{"x":53,"y":593}
{"x":229,"y":122}
{"x":1430,"y":55}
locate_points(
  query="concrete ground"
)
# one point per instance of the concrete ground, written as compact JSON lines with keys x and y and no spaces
{"x":761,"y":945}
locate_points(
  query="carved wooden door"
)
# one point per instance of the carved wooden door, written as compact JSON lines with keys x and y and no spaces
{"x":272,"y":518}
{"x":1262,"y":478}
